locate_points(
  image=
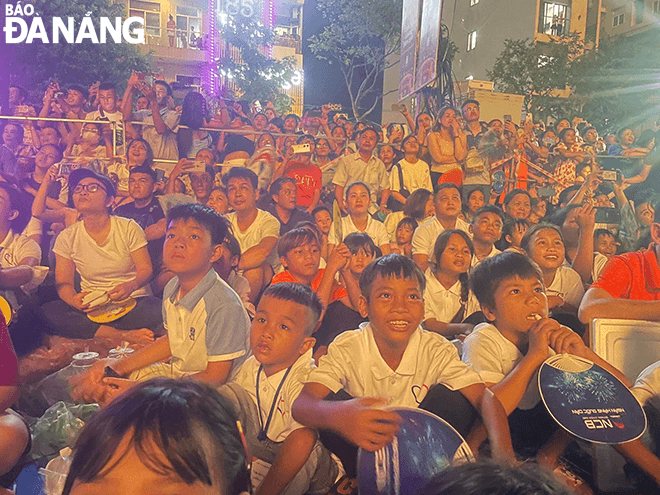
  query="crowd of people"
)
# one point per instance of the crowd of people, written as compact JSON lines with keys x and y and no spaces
{"x":311,"y":270}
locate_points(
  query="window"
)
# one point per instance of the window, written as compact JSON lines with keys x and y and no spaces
{"x":555,"y":18}
{"x":472,"y":41}
{"x":656,"y":6}
{"x":150,"y":12}
{"x":473,"y":2}
{"x":188,"y":27}
{"x":617,"y":20}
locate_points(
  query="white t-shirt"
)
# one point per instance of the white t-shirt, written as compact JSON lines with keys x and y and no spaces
{"x":104,"y":266}
{"x":390,"y":223}
{"x":493,"y":252}
{"x":647,"y":386}
{"x":16,"y":247}
{"x":443,"y":304}
{"x":494,"y":357}
{"x":354,"y":363}
{"x":425,"y":235}
{"x":163,"y":145}
{"x":265,"y":225}
{"x":568,"y":284}
{"x":282,"y":422}
{"x":375,"y":229}
{"x":600,"y":260}
{"x":112,"y":117}
{"x":415,"y":176}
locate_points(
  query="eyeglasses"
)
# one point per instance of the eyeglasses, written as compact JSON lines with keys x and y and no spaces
{"x":92,"y":188}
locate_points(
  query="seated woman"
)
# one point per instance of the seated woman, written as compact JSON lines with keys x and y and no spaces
{"x":447,"y":295}
{"x":91,"y":143}
{"x":447,"y":145}
{"x":358,"y":219}
{"x":110,"y":255}
{"x":474,"y":200}
{"x":14,"y":433}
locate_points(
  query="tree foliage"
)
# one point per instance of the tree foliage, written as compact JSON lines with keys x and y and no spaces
{"x":613,"y":86}
{"x":537,"y":71}
{"x":83,"y":63}
{"x":257,"y":76}
{"x":359,"y":37}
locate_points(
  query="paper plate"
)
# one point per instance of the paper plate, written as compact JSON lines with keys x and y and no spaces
{"x":336,"y":220}
{"x":424,"y":446}
{"x":589,"y":402}
{"x":111,"y":312}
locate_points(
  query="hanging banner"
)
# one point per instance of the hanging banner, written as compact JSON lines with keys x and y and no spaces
{"x":427,"y":58}
{"x":409,"y":31}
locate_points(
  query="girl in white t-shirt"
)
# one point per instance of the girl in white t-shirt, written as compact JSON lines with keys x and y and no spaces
{"x":544,"y":244}
{"x":358,"y":199}
{"x":447,"y":297}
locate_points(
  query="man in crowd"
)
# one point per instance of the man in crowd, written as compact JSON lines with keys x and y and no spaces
{"x":284,"y":194}
{"x":477,"y":174}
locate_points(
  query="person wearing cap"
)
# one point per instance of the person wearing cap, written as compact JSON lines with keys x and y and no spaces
{"x":110,"y":255}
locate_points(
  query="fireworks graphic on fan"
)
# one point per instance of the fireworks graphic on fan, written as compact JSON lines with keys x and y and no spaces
{"x":575,"y":387}
{"x":601,"y":388}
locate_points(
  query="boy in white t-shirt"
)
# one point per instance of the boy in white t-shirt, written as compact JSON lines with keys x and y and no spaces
{"x":392,"y":361}
{"x":508,"y":351}
{"x":289,"y":455}
{"x":256,"y":231}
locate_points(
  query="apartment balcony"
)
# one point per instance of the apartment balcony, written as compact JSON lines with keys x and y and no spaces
{"x":183,"y":45}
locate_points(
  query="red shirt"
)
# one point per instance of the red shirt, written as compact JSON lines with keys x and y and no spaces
{"x":8,"y":361}
{"x":338,"y":292}
{"x":308,"y":179}
{"x":634,"y":276}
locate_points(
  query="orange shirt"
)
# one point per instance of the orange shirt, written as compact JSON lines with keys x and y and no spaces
{"x":338,"y":292}
{"x":634,"y":276}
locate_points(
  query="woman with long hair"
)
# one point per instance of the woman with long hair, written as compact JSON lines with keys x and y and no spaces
{"x":447,"y":144}
{"x":194,"y":117}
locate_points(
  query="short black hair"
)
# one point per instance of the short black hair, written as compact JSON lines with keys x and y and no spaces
{"x":22,"y":92}
{"x":599,"y":232}
{"x":320,"y":208}
{"x":357,"y":183}
{"x":366,"y":129}
{"x":564,"y":131}
{"x":298,"y":293}
{"x":510,"y":225}
{"x":488,"y":275}
{"x":359,"y":240}
{"x":204,"y":215}
{"x":559,"y":217}
{"x":167,"y":87}
{"x":294,"y":238}
{"x":241,"y":173}
{"x":143,"y":169}
{"x":513,"y":193}
{"x":232,"y":244}
{"x":106,"y":86}
{"x":18,"y":202}
{"x":411,"y":222}
{"x":59,"y":153}
{"x":447,"y":185}
{"x":203,"y":444}
{"x":277,"y":185}
{"x":490,"y":478}
{"x":488,"y":209}
{"x":391,"y":266}
{"x":563,"y":196}
{"x":80,"y":89}
{"x":468,"y":101}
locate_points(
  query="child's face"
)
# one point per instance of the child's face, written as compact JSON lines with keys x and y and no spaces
{"x":323,"y":221}
{"x":188,"y":247}
{"x":448,"y":203}
{"x":547,"y":249}
{"x":303,"y":260}
{"x":360,"y":260}
{"x":126,"y":474}
{"x":395,"y":309}
{"x":517,"y":301}
{"x":226,"y":262}
{"x":404,"y":234}
{"x":606,"y":244}
{"x":277,"y":336}
{"x":487,"y":228}
{"x":218,"y":201}
{"x":456,"y":257}
{"x":242,"y":196}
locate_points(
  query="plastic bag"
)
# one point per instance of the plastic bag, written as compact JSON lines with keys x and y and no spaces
{"x":56,"y":471}
{"x":59,"y":427}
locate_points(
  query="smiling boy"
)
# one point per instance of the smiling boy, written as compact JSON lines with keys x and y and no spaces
{"x":392,"y":361}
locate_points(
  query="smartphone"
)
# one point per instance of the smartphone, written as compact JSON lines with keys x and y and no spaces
{"x":608,"y":215}
{"x":529,"y":118}
{"x":58,"y":95}
{"x":507,"y":118}
{"x":301,"y":148}
{"x":611,"y":175}
{"x":23,"y":109}
{"x":198,"y":166}
{"x":160,"y":175}
{"x":64,"y":169}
